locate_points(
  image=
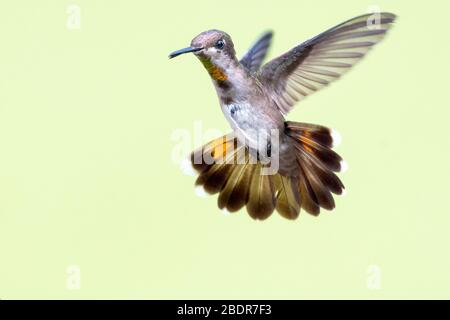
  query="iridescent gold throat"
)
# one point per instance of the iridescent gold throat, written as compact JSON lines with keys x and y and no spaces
{"x":214,"y":71}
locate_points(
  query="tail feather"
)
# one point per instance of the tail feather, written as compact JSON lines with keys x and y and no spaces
{"x":234,"y":194}
{"x":314,"y":132}
{"x":317,"y":165}
{"x":322,"y":194}
{"x":327,"y":177}
{"x":213,"y":152}
{"x":317,"y":141}
{"x":287,"y":196}
{"x":215,"y":162}
{"x":239,"y":195}
{"x":261,"y":196}
{"x":225,"y":200}
{"x":215,"y":177}
{"x":308,"y":198}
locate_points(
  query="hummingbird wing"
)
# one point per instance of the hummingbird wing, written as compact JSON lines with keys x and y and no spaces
{"x":254,"y":57}
{"x":322,"y":59}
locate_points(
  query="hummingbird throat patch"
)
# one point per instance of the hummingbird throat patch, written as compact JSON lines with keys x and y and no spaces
{"x":215,"y":72}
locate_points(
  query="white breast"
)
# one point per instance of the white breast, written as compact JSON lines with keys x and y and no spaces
{"x":245,"y":121}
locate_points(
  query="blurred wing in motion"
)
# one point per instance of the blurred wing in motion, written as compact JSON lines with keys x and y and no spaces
{"x":254,"y":57}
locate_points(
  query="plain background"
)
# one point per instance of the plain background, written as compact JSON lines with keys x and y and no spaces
{"x":87,"y":119}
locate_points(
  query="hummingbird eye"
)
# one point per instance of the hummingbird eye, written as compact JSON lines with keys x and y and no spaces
{"x":220,"y":44}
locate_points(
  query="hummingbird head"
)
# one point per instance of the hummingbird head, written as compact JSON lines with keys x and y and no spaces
{"x":214,"y":46}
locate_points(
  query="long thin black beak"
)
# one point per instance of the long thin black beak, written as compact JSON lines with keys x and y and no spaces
{"x":182,"y":51}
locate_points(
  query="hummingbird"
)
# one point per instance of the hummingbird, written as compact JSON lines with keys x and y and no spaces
{"x":255,"y":99}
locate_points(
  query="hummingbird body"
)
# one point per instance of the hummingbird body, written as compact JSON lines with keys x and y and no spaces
{"x":245,"y":102}
{"x":254,"y":100}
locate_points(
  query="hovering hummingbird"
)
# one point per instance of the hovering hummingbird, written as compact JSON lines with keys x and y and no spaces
{"x":255,"y":99}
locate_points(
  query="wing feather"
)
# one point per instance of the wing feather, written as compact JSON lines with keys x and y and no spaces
{"x":255,"y":56}
{"x":315,"y":63}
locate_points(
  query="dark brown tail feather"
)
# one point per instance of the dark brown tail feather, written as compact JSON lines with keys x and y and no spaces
{"x":242,"y":184}
{"x":316,"y":141}
{"x":261,"y":196}
{"x":317,"y":162}
{"x":287,"y":196}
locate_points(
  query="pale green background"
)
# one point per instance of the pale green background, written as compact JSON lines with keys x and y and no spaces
{"x":86,"y":176}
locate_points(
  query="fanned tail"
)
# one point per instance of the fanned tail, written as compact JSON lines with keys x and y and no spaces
{"x":227,"y":168}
